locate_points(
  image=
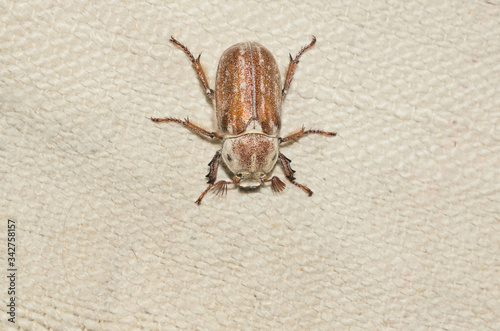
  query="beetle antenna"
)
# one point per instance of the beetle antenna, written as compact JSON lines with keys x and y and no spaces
{"x":276,"y":184}
{"x":220,"y":188}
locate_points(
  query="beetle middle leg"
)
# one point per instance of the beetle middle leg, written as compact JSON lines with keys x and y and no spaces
{"x":289,"y":173}
{"x":304,"y":132}
{"x":199,"y":68}
{"x":293,"y":65}
{"x":186,"y":123}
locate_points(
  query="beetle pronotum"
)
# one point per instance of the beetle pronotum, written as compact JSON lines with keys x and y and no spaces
{"x":248,"y":99}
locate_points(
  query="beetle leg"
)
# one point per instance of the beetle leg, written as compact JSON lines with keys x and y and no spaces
{"x":220,"y":188}
{"x":186,"y":123}
{"x":289,"y":173}
{"x":214,"y":165}
{"x":197,"y":65}
{"x":293,"y":65}
{"x":304,"y":132}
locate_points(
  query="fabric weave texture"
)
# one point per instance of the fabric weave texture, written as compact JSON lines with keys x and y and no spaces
{"x":403,"y":229}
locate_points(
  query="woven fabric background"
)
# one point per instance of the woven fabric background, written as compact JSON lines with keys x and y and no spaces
{"x":403,"y":231}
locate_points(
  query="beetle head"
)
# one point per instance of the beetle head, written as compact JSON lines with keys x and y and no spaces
{"x":250,"y":157}
{"x":249,"y":180}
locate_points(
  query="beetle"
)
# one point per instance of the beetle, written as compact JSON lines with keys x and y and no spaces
{"x":248,"y":99}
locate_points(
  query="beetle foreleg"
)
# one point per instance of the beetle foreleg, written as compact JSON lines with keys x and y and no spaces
{"x":214,"y":165}
{"x":304,"y":132}
{"x":197,"y":65}
{"x":289,"y":173}
{"x":220,"y":188}
{"x":186,"y":123}
{"x":293,"y":65}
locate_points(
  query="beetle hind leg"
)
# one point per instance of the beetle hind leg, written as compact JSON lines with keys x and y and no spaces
{"x":289,"y":174}
{"x":293,"y":65}
{"x":199,"y":68}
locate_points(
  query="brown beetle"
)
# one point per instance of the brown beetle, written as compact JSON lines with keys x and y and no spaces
{"x":248,"y":99}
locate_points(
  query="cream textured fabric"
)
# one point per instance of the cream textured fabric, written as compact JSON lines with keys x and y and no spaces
{"x":403,"y":231}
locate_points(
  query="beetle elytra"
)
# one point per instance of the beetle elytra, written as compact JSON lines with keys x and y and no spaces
{"x":248,"y":99}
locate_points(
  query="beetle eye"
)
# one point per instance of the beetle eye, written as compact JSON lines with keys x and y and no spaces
{"x":239,"y":175}
{"x":229,"y":158}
